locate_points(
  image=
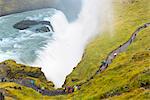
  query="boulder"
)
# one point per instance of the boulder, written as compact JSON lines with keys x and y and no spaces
{"x":25,"y":24}
{"x":43,"y":29}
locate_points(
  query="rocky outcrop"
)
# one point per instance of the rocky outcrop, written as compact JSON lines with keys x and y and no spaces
{"x":25,"y":24}
{"x":43,"y":29}
{"x":10,"y":71}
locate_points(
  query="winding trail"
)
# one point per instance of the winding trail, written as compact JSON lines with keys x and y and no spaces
{"x":112,"y":55}
{"x":108,"y":61}
{"x":121,"y":48}
{"x":27,"y":83}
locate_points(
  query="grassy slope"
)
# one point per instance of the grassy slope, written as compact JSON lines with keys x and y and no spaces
{"x":127,"y":18}
{"x":130,"y":70}
{"x":142,"y":95}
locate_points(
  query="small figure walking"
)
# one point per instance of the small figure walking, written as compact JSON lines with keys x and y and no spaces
{"x":103,"y":62}
{"x":115,"y":54}
{"x":2,"y":96}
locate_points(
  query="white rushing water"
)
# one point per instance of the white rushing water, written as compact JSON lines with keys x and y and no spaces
{"x":65,"y":52}
{"x":56,"y":52}
{"x":23,"y":45}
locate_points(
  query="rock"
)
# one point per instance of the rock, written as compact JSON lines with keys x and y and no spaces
{"x":43,"y":29}
{"x":9,"y":69}
{"x":25,"y":24}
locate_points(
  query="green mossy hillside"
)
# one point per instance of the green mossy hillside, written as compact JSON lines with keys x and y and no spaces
{"x":127,"y":18}
{"x":13,"y":70}
{"x":10,"y":70}
{"x":130,"y":71}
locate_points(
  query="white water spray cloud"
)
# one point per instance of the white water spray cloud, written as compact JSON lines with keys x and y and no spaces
{"x":65,"y":52}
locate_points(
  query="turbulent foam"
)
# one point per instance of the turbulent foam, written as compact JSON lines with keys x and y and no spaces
{"x":23,"y":45}
{"x":61,"y":55}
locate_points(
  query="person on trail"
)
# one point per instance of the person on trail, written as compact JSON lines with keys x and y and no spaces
{"x":2,"y":96}
{"x":79,"y":87}
{"x":115,"y":54}
{"x":19,"y":88}
{"x":43,"y":88}
{"x":67,"y":89}
{"x":32,"y":82}
{"x":2,"y":79}
{"x":75,"y":88}
{"x":64,"y":89}
{"x":133,"y":37}
{"x":103,"y":62}
{"x":38,"y":90}
{"x":71,"y":90}
{"x":15,"y":87}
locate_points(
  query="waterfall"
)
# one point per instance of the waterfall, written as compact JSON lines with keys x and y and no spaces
{"x":62,"y":54}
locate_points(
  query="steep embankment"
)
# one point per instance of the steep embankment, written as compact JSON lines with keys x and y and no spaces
{"x":128,"y":17}
{"x":15,"y":80}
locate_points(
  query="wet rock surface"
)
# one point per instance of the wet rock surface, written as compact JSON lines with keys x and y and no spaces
{"x":43,"y":29}
{"x":25,"y":24}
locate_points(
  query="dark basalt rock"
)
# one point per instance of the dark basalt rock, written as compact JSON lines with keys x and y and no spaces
{"x":43,"y":29}
{"x":25,"y":24}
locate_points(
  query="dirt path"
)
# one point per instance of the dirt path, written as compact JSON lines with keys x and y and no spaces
{"x":28,"y":83}
{"x":121,"y":48}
